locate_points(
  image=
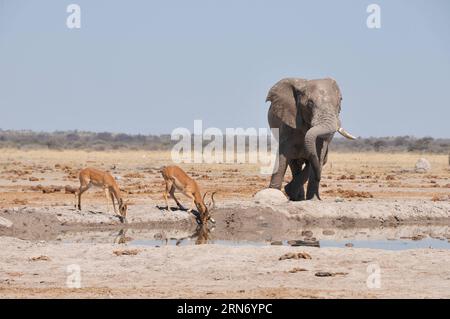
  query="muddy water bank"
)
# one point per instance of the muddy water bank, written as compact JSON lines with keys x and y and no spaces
{"x":352,"y":212}
{"x":234,"y":223}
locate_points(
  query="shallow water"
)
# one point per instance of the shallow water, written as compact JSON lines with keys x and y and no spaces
{"x":392,"y":244}
{"x":387,"y":238}
{"x":397,"y":244}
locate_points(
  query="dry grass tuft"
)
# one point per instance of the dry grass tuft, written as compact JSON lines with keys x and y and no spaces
{"x":300,"y":255}
{"x":126,"y":252}
{"x":39,"y":258}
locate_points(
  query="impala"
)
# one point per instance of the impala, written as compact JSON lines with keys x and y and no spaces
{"x":91,"y":176}
{"x":176,"y":179}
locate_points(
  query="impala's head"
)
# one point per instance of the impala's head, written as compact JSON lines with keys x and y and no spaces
{"x":123,"y":208}
{"x":206,"y":209}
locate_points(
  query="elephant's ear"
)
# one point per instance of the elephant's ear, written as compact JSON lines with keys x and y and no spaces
{"x":283,"y":97}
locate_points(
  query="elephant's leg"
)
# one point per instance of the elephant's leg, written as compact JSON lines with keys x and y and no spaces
{"x":277,"y":178}
{"x":291,"y":188}
{"x":304,"y":178}
{"x":295,"y":189}
{"x":313,"y":186}
{"x":313,"y":183}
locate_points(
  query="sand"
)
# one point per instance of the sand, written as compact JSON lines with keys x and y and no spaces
{"x":210,"y":271}
{"x":365,"y":197}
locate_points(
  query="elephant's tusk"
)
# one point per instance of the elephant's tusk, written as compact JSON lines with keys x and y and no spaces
{"x":346,"y":134}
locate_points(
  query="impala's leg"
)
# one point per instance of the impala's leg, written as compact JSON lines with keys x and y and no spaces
{"x":76,"y":199}
{"x":193,"y":202}
{"x":108,"y":199}
{"x":166,"y":194}
{"x":111,"y":194}
{"x":172,"y":194}
{"x":113,"y":198}
{"x":82,"y":189}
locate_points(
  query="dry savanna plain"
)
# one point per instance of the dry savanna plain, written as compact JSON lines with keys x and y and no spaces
{"x":381,"y":230}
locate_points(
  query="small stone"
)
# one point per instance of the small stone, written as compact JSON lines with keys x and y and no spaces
{"x":323,"y":274}
{"x":422,"y":165}
{"x":126,"y":252}
{"x":329,"y":274}
{"x":307,"y":233}
{"x":297,"y":269}
{"x":5,"y":222}
{"x":39,"y":258}
{"x":295,"y":256}
{"x":348,"y":245}
{"x":277,"y":243}
{"x":418,"y":237}
{"x":339,"y":200}
{"x":309,"y":243}
{"x":328,"y":232}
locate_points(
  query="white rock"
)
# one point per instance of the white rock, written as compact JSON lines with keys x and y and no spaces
{"x":422,"y":165}
{"x":5,"y":222}
{"x":270,"y":196}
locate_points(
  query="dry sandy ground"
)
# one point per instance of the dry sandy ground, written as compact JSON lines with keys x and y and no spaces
{"x":211,"y":271}
{"x":370,"y":196}
{"x":379,"y":175}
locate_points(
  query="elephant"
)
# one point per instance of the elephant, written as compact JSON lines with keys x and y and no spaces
{"x":306,"y":114}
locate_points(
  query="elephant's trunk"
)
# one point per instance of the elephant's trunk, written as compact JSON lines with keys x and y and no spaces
{"x":311,"y":146}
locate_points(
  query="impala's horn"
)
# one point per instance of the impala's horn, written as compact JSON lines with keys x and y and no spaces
{"x":213,"y":201}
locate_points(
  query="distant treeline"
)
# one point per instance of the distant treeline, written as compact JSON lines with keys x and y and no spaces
{"x":120,"y":141}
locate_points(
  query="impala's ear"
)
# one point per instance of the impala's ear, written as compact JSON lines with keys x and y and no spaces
{"x":285,"y":98}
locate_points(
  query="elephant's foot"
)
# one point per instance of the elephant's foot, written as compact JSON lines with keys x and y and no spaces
{"x":276,"y":182}
{"x":294,"y":194}
{"x":313,"y":193}
{"x":313,"y":190}
{"x":314,"y":196}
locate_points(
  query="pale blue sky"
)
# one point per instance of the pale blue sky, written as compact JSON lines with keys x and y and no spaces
{"x":151,"y":66}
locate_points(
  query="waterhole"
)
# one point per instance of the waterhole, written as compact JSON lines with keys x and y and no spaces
{"x":395,"y":238}
{"x":392,"y":244}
